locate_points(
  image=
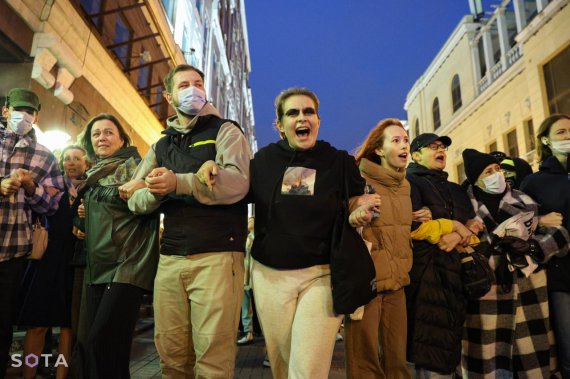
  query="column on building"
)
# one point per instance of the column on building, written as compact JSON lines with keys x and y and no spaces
{"x":520,"y":14}
{"x":503,"y":35}
{"x":488,"y":49}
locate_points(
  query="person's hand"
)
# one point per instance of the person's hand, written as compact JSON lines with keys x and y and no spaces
{"x":52,"y":191}
{"x":361,"y":216}
{"x":81,"y":210}
{"x":422,"y":215}
{"x":26,"y":179}
{"x":448,"y":242}
{"x":551,"y":219}
{"x":465,"y":233}
{"x":78,"y":233}
{"x":207,"y":174}
{"x":127,"y":189}
{"x":161,"y":181}
{"x":475,"y":226}
{"x":9,"y":186}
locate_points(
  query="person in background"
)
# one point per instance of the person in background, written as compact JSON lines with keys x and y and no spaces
{"x":49,"y":282}
{"x":295,"y":186}
{"x":507,"y":331}
{"x":515,"y":170}
{"x":30,"y":180}
{"x":246,"y":304}
{"x":435,"y":299}
{"x":550,"y":188}
{"x":122,"y":249}
{"x":376,"y":344}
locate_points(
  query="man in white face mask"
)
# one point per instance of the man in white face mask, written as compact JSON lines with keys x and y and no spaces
{"x":30,"y":180}
{"x":198,"y":174}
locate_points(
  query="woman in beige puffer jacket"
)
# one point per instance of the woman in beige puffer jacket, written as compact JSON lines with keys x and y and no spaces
{"x":376,"y":344}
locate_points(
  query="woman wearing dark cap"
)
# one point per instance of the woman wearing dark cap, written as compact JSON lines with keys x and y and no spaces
{"x":507,"y":331}
{"x":122,"y":249}
{"x":551,"y":188}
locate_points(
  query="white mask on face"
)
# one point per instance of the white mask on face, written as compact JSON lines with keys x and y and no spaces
{"x":20,"y":122}
{"x":191,"y":100}
{"x":495,"y":183}
{"x":561,"y":147}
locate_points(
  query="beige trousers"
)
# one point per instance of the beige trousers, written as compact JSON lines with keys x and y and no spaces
{"x":197,"y":300}
{"x":384,"y":324}
{"x":296,"y":315}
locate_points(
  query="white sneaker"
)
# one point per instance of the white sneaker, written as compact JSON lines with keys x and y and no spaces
{"x":339,"y":337}
{"x":246,"y":339}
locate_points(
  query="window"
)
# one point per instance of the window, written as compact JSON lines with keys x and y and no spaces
{"x":417,"y":128}
{"x":456,"y":93}
{"x":530,"y":137}
{"x":435,"y":113}
{"x":492,"y":147}
{"x":557,"y":80}
{"x":122,"y":34}
{"x":512,"y":145}
{"x":169,"y":9}
{"x":158,"y":100}
{"x":93,"y":7}
{"x":143,"y":81}
{"x":461,"y":173}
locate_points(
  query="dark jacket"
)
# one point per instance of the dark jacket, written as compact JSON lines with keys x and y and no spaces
{"x":121,"y":247}
{"x":297,"y":195}
{"x":550,"y":188}
{"x":435,"y":300}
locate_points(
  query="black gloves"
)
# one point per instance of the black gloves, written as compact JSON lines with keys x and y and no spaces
{"x":517,"y":248}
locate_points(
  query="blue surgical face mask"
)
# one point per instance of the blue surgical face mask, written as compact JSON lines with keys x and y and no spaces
{"x":191,"y":100}
{"x":20,"y":122}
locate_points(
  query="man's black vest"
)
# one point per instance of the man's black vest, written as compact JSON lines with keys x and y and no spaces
{"x":189,"y":226}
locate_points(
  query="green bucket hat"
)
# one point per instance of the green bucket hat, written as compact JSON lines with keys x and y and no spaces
{"x":23,"y":97}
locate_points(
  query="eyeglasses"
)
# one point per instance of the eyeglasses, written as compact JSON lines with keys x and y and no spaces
{"x":437,"y":146}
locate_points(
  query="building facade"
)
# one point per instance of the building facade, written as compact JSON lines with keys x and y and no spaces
{"x":84,"y":57}
{"x":499,"y":74}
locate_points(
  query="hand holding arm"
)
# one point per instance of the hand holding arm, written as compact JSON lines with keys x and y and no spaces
{"x":448,"y":242}
{"x":475,"y":226}
{"x":465,"y":233}
{"x":422,"y":215}
{"x":161,"y":181}
{"x":551,"y":219}
{"x":9,"y":186}
{"x":207,"y":174}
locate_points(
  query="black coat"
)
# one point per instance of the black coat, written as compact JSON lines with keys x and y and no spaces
{"x":550,"y":188}
{"x":435,"y":300}
{"x":48,"y":283}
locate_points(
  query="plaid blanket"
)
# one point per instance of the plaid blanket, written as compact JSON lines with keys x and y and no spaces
{"x":508,"y":334}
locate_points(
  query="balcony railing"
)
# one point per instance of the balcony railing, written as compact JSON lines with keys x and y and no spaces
{"x":511,"y":57}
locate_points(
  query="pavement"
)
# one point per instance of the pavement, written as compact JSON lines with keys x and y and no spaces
{"x":145,"y":362}
{"x":249,"y":362}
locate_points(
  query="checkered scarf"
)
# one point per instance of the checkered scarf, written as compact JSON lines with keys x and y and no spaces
{"x":510,"y":332}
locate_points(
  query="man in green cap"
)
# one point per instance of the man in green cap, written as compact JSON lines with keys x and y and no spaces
{"x":30,"y":180}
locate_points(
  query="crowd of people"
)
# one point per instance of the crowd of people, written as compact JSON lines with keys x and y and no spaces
{"x":102,"y":202}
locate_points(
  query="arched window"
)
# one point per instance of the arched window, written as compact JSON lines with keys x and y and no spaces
{"x":456,"y":93}
{"x":417,"y":128}
{"x":435,"y":113}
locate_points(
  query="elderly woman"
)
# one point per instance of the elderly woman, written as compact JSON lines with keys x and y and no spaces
{"x":49,"y":282}
{"x":122,"y":249}
{"x":295,"y":186}
{"x":507,"y":331}
{"x":551,"y":188}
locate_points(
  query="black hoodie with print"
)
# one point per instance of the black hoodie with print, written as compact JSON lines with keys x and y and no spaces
{"x":297,"y":197}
